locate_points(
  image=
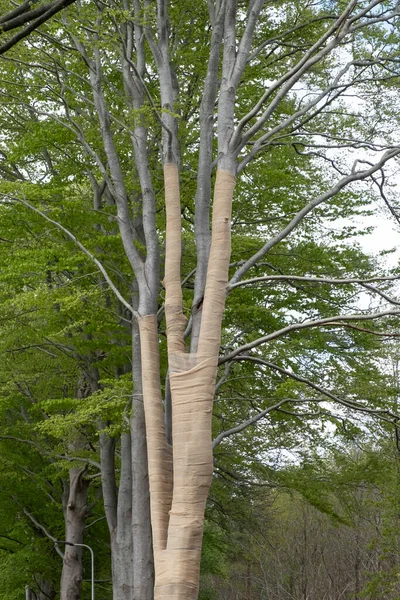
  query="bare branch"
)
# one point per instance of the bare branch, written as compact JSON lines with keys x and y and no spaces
{"x":244,"y":48}
{"x":372,"y":331}
{"x":39,"y":526}
{"x":51,"y":9}
{"x":342,"y":183}
{"x":284,"y":34}
{"x":30,"y":442}
{"x":251,"y":421}
{"x":51,"y":456}
{"x":289,"y":79}
{"x":337,"y":321}
{"x":323,"y":280}
{"x":383,"y":414}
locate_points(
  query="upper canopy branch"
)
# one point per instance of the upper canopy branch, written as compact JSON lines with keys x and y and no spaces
{"x":319,"y":389}
{"x":314,"y":55}
{"x":23,"y":14}
{"x":324,"y":46}
{"x":327,"y":280}
{"x":342,"y":183}
{"x":337,"y":321}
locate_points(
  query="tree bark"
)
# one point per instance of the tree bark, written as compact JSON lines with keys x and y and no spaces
{"x":178,"y":522}
{"x":118,"y":510}
{"x":46,"y":591}
{"x":75,"y":513}
{"x":143,"y":564}
{"x":121,"y":536}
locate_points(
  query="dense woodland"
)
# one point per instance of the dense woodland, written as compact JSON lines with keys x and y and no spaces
{"x":185,"y":295}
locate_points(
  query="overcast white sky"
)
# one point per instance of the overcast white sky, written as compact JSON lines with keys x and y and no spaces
{"x":384,"y":237}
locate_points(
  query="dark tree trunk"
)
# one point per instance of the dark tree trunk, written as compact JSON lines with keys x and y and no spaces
{"x":75,"y":514}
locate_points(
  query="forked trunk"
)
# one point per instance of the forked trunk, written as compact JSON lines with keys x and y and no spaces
{"x":75,"y":514}
{"x":178,"y":496}
{"x":192,"y":390}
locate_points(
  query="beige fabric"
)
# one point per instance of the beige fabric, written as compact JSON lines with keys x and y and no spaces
{"x":176,"y":321}
{"x":218,"y":266}
{"x":192,"y":398}
{"x":158,"y":452}
{"x":178,"y":523}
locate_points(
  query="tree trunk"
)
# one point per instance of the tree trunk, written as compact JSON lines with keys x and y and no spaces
{"x":127,"y":505}
{"x":46,"y":591}
{"x":121,"y":557}
{"x":178,"y":499}
{"x":143,"y":564}
{"x":121,"y":537}
{"x":72,"y":572}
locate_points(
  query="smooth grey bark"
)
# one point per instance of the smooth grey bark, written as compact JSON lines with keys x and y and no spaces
{"x":46,"y":591}
{"x":137,"y":518}
{"x":133,"y":81}
{"x":75,"y":514}
{"x":121,"y":540}
{"x":118,"y":509}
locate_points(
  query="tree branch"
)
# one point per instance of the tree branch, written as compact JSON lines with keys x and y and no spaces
{"x":251,"y":421}
{"x":342,"y":183}
{"x":82,"y":247}
{"x":52,"y":9}
{"x":384,"y":415}
{"x":322,"y":280}
{"x":328,"y":321}
{"x":39,"y":526}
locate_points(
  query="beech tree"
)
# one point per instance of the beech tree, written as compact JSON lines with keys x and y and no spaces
{"x":268,"y":78}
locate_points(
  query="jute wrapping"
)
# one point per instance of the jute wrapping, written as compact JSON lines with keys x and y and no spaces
{"x":176,"y":321}
{"x":158,"y":452}
{"x":218,"y":266}
{"x":178,"y":499}
{"x":177,"y":575}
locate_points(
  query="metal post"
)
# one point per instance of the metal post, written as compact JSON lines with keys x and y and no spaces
{"x":91,"y":556}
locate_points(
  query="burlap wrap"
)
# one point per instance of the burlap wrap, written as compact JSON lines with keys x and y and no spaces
{"x":179,"y":484}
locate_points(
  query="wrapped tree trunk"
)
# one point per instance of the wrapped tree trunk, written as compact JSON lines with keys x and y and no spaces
{"x":179,"y":489}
